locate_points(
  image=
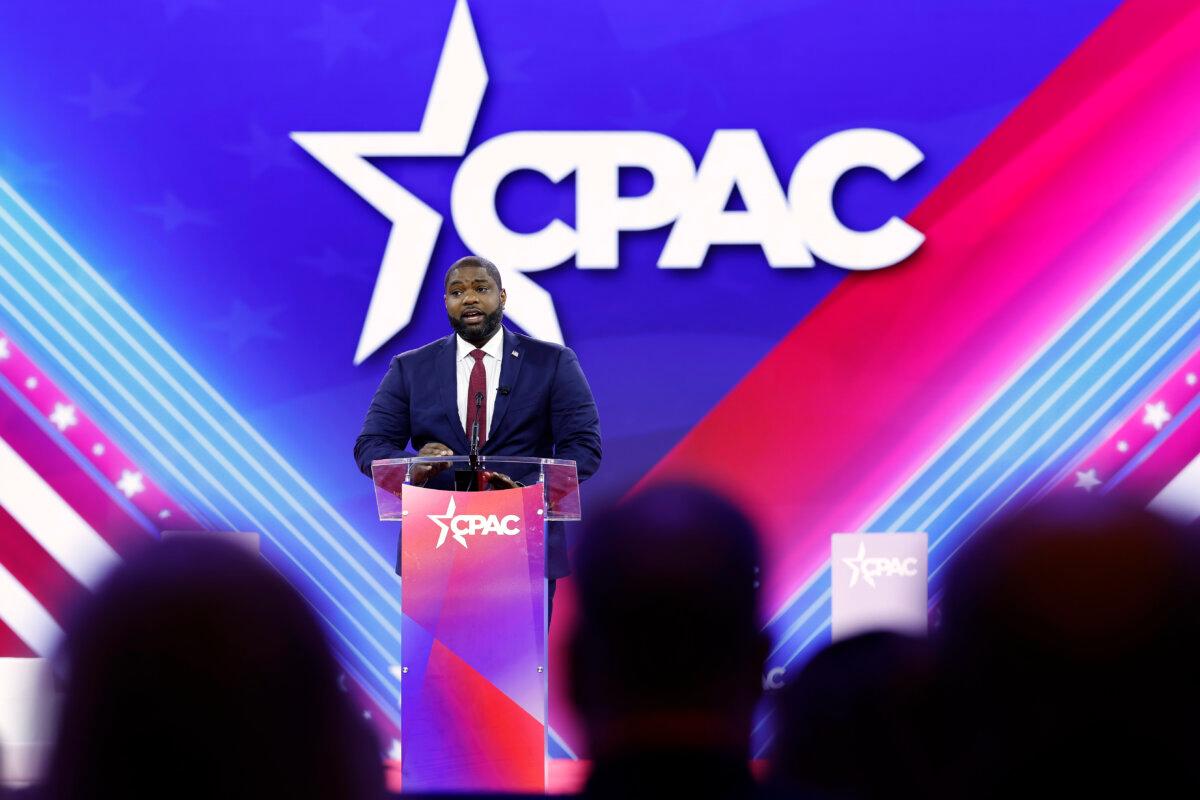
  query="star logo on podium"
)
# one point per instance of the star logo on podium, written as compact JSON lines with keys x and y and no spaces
{"x":443,"y":523}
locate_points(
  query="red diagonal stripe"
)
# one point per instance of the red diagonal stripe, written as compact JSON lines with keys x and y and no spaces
{"x":13,"y":646}
{"x":36,"y":569}
{"x":1018,"y":237}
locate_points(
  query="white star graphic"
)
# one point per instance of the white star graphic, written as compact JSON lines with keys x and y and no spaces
{"x":454,"y":100}
{"x":31,"y":382}
{"x":1156,"y":415}
{"x":131,"y":483}
{"x":164,"y":514}
{"x":63,"y":416}
{"x":98,"y":449}
{"x":443,"y":523}
{"x":1122,"y":446}
{"x":856,"y":563}
{"x":1087,"y":480}
{"x":1190,"y":379}
{"x":4,"y":349}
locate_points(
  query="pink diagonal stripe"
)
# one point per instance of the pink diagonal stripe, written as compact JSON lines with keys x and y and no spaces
{"x":1021,"y":236}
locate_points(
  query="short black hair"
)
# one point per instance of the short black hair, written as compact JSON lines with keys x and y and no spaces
{"x":475,"y":261}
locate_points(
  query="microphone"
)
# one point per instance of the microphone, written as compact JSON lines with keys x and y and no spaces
{"x":475,"y":432}
{"x":503,"y":390}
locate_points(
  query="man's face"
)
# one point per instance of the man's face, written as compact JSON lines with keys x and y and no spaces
{"x":474,"y":304}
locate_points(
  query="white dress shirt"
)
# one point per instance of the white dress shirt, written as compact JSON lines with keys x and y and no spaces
{"x":493,"y":350}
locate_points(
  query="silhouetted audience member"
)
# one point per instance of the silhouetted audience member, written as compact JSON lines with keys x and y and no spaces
{"x":1069,"y":634}
{"x":858,"y":721}
{"x":666,"y":661}
{"x":196,"y":671}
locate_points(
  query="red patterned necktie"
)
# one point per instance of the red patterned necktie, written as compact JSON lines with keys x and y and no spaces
{"x":476,"y":387}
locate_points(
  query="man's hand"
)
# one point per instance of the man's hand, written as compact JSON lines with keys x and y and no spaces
{"x":423,"y":472}
{"x":498,"y":480}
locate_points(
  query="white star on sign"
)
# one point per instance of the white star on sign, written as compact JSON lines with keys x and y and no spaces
{"x":443,"y":523}
{"x":131,"y":483}
{"x":63,"y":416}
{"x":4,"y":349}
{"x":1156,"y":415}
{"x":1087,"y":480}
{"x":855,"y":564}
{"x":454,"y":101}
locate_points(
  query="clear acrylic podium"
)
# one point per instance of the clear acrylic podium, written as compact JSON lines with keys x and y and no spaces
{"x":473,"y":679}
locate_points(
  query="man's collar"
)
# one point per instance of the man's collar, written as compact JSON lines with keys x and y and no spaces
{"x":494,"y":346}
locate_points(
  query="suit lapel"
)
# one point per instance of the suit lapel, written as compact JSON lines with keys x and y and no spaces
{"x":447,"y":379}
{"x":510,"y":364}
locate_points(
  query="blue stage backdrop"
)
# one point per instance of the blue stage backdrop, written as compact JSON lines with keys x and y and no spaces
{"x":852,"y":238}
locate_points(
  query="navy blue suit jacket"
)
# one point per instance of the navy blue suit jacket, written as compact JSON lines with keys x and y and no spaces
{"x":548,"y":412}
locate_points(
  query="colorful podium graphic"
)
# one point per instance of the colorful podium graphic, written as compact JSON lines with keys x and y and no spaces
{"x":473,"y":652}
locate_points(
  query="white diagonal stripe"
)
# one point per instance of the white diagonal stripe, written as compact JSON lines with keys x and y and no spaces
{"x":1180,"y":499}
{"x":56,"y":526}
{"x":24,"y":614}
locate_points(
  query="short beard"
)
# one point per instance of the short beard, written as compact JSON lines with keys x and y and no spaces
{"x":491,"y":324}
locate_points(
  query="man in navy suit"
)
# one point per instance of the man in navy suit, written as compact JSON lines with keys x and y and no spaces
{"x":535,"y":401}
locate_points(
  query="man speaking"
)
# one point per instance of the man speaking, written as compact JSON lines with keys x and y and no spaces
{"x":536,"y":401}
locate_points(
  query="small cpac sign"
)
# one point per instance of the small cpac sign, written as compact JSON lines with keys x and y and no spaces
{"x":879,"y":583}
{"x":460,"y":526}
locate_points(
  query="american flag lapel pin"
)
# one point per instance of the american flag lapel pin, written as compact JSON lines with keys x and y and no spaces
{"x":515,"y":354}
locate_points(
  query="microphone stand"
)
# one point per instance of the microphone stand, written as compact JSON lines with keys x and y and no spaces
{"x":471,"y":479}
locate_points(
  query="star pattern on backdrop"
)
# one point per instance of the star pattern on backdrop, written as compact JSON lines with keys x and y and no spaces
{"x":174,"y":214}
{"x":243,"y":324}
{"x":1156,"y":415}
{"x":21,"y":173}
{"x":131,"y":483}
{"x":105,"y":100}
{"x":339,"y":32}
{"x":4,"y":349}
{"x":1086,"y":479}
{"x":509,"y":66}
{"x":64,"y":416}
{"x":174,"y":9}
{"x":333,"y":264}
{"x":265,"y":151}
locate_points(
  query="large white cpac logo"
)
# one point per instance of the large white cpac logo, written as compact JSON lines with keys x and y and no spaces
{"x":790,"y":228}
{"x":460,"y":526}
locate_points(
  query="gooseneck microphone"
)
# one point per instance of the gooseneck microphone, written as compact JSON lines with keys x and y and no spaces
{"x":475,"y":433}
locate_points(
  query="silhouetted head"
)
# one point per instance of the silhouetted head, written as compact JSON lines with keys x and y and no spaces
{"x":196,"y":670}
{"x":1067,"y":630}
{"x":858,"y":720}
{"x":668,"y":650}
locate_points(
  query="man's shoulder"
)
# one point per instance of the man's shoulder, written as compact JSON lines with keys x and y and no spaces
{"x":423,"y":352}
{"x":540,"y":346}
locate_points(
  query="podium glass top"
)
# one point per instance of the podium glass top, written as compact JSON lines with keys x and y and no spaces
{"x":557,"y":476}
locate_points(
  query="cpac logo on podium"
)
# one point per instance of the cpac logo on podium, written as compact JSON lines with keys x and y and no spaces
{"x":460,"y":526}
{"x":872,"y":568}
{"x":790,"y":227}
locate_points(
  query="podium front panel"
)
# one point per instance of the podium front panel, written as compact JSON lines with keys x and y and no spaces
{"x":473,"y":648}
